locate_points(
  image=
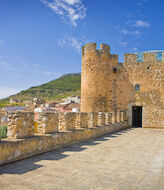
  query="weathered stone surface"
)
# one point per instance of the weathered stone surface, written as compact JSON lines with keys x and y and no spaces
{"x":48,"y":122}
{"x":118,"y":117}
{"x":108,"y":86}
{"x":20,"y":124}
{"x":107,"y":119}
{"x":149,"y":75}
{"x":113,"y":115}
{"x":121,"y":116}
{"x":67,"y":121}
{"x":110,"y":118}
{"x":92,"y":119}
{"x":96,"y":83}
{"x":82,"y":120}
{"x":101,"y":119}
{"x":16,"y":149}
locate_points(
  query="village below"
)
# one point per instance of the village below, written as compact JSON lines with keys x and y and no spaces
{"x":63,"y":97}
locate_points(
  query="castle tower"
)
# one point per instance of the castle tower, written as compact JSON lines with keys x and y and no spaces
{"x":146,"y":76}
{"x":97,"y":77}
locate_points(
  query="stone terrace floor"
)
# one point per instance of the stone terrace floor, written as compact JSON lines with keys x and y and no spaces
{"x":130,"y":159}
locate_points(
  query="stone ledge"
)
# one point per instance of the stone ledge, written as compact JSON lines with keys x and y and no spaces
{"x":18,"y":149}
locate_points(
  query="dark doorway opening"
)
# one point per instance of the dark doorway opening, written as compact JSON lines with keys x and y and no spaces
{"x":137,"y":116}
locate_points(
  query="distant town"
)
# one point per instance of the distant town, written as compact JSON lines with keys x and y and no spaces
{"x":37,"y":105}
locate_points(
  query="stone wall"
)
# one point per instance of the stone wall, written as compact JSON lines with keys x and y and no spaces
{"x":92,"y":119}
{"x":105,"y":84}
{"x":108,"y":118}
{"x":67,"y":121}
{"x":101,"y":119}
{"x":48,"y":123}
{"x":147,"y":71}
{"x":21,"y":126}
{"x":109,"y":86}
{"x":81,"y":120}
{"x":97,"y":78}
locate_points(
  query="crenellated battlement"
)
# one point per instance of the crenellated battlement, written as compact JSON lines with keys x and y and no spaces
{"x":21,"y":124}
{"x":131,"y":57}
{"x":149,"y":56}
{"x":54,"y":131}
{"x":92,"y":47}
{"x":104,"y":49}
{"x":113,"y":56}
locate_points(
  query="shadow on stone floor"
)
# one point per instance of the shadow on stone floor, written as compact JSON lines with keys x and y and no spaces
{"x":24,"y":166}
{"x":29,"y":164}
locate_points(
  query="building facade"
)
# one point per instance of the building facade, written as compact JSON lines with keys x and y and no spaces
{"x":136,"y":86}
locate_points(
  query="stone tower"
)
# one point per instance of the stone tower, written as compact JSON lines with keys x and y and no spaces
{"x":146,"y":75}
{"x":98,"y":74}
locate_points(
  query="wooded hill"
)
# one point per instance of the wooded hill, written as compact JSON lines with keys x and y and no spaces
{"x":66,"y":85}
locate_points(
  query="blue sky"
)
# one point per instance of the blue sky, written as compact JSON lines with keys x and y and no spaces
{"x":41,"y":39}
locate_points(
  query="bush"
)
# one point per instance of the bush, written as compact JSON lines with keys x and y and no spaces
{"x":3,"y":132}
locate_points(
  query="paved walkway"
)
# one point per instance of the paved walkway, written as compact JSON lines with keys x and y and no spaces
{"x":130,"y":159}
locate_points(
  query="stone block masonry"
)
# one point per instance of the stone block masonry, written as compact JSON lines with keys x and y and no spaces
{"x":118,"y":117}
{"x":96,"y":79}
{"x":82,"y":120}
{"x":110,"y":86}
{"x":92,"y":119}
{"x":48,"y":123}
{"x":101,"y":119}
{"x":113,"y":118}
{"x":21,"y":127}
{"x":67,"y":121}
{"x":108,"y":118}
{"x":146,"y":74}
{"x":121,"y":116}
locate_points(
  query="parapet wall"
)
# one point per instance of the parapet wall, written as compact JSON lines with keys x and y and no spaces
{"x":20,"y":125}
{"x":143,"y":57}
{"x":104,"y":51}
{"x":92,"y":47}
{"x":55,"y":131}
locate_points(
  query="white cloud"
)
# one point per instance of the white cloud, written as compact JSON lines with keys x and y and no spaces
{"x":129,"y":31}
{"x":141,"y":23}
{"x":72,"y":42}
{"x":135,"y":49}
{"x":7,"y":91}
{"x":36,"y":65}
{"x":4,"y":63}
{"x":124,"y":31}
{"x":7,"y":66}
{"x":121,"y":31}
{"x":123,"y":44}
{"x":71,"y":10}
{"x":72,"y":2}
{"x":141,"y":2}
{"x":136,"y":32}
